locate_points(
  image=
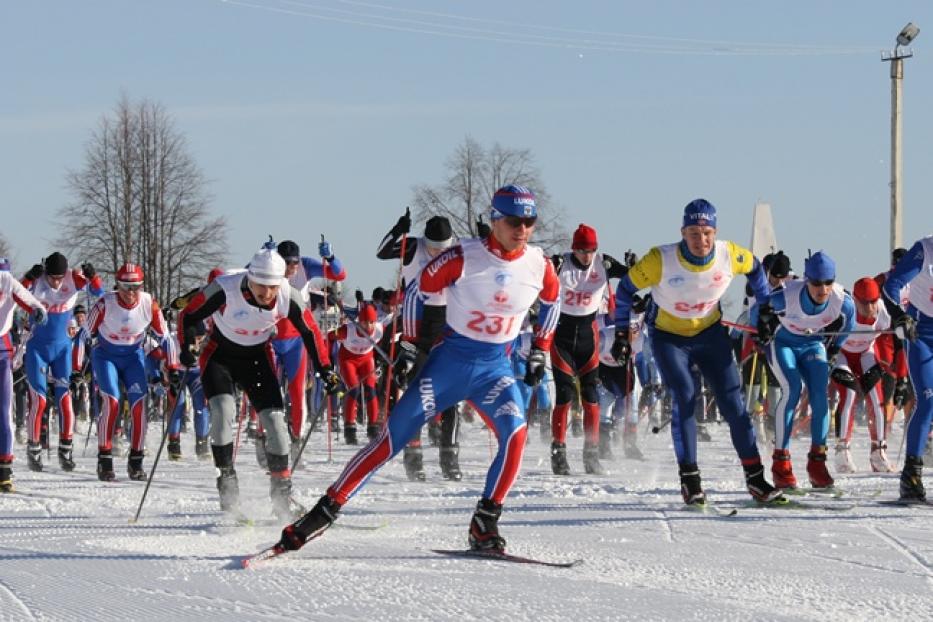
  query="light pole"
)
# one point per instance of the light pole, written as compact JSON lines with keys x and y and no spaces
{"x":896,"y":58}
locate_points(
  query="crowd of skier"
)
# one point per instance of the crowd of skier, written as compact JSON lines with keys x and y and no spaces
{"x":486,"y":327}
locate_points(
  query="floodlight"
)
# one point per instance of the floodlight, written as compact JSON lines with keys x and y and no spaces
{"x":908,"y":34}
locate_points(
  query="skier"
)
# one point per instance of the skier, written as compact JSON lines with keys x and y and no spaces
{"x":357,"y":368}
{"x":789,"y":325}
{"x":12,"y":293}
{"x":49,"y":349}
{"x":687,"y":279}
{"x":244,"y":308}
{"x":584,"y":275}
{"x":438,"y":236}
{"x":121,"y":320}
{"x":490,"y":285}
{"x":916,"y":324}
{"x":866,"y":360}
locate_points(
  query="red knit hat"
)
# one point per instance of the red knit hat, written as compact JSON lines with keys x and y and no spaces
{"x":368,"y":313}
{"x":584,"y":238}
{"x":866,"y":290}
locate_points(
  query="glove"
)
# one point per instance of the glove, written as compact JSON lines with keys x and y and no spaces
{"x":558,"y":261}
{"x":359,"y":296}
{"x":832,"y":351}
{"x":403,"y":225}
{"x":767,"y":321}
{"x":39,"y":316}
{"x":870,"y":378}
{"x":482,"y":229}
{"x":639,"y":304}
{"x":187,"y":356}
{"x":75,"y":378}
{"x":534,"y":370}
{"x":843,"y":376}
{"x":404,"y":362}
{"x":901,"y":392}
{"x":174,"y":377}
{"x":88,"y":270}
{"x":621,"y":349}
{"x":904,"y":326}
{"x":34,"y":272}
{"x":269,"y":245}
{"x":630,"y":258}
{"x":332,"y":383}
{"x":325,"y":250}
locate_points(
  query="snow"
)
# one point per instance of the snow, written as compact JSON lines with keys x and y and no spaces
{"x":69,"y":552}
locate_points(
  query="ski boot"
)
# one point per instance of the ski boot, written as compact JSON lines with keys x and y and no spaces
{"x":691,"y":488}
{"x":252,"y":430}
{"x":65,"y":457}
{"x":605,"y":441}
{"x":816,"y":467}
{"x":844,"y":463}
{"x":174,"y":449}
{"x":372,"y":430}
{"x":311,"y":525}
{"x":6,"y":476}
{"x":758,"y":487}
{"x":34,"y":456}
{"x":105,"y":466}
{"x":202,"y":447}
{"x":484,"y":527}
{"x":414,"y":464}
{"x":559,"y":459}
{"x":591,"y":462}
{"x":280,"y":489}
{"x":450,"y":463}
{"x":134,"y":466}
{"x":434,"y":433}
{"x":576,"y":424}
{"x":349,"y":434}
{"x":879,"y":458}
{"x":703,"y":434}
{"x":261,"y":451}
{"x":782,"y":470}
{"x":911,"y":487}
{"x":229,"y":489}
{"x":20,"y":435}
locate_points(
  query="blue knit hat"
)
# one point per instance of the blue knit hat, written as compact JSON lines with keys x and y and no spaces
{"x":4,"y":264}
{"x":700,"y":212}
{"x":819,"y":267}
{"x":513,"y":200}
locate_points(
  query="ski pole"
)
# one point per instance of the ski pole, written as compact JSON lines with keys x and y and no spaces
{"x":155,"y":462}
{"x":395,"y":314}
{"x":751,"y":381}
{"x":658,"y":428}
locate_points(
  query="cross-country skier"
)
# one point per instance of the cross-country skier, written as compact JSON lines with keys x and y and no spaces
{"x":916,"y":323}
{"x":790,"y":325}
{"x":49,"y":350}
{"x":490,"y":285}
{"x":358,"y":369}
{"x":687,"y":280}
{"x":244,"y":308}
{"x":12,"y":294}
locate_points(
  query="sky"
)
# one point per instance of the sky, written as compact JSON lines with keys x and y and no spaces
{"x":319,"y":116}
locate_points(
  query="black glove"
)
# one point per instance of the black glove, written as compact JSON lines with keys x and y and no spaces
{"x":332,"y":382}
{"x":174,"y":377}
{"x":534,"y":369}
{"x":901,"y":392}
{"x":832,"y":351}
{"x":359,"y":296}
{"x":767,"y":322}
{"x":904,"y":326}
{"x":843,"y":376}
{"x":403,"y":225}
{"x":482,"y":229}
{"x":88,"y":270}
{"x":621,"y":349}
{"x":870,"y":378}
{"x":404,"y":362}
{"x":34,"y":272}
{"x":188,"y":357}
{"x":639,"y":304}
{"x":630,"y":258}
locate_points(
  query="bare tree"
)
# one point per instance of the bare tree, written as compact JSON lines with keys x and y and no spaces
{"x":475,"y":173}
{"x":140,"y":198}
{"x":5,"y":249}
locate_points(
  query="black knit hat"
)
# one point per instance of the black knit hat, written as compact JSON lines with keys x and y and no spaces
{"x":896,"y":255}
{"x":56,"y":264}
{"x":288,"y":250}
{"x":437,"y":229}
{"x":780,"y":265}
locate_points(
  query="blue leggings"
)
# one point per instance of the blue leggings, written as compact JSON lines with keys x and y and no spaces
{"x":711,"y":352}
{"x":920,"y":362}
{"x":794,"y":366}
{"x":202,"y":420}
{"x":539,"y":392}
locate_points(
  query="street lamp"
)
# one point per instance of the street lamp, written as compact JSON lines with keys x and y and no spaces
{"x":896,"y":58}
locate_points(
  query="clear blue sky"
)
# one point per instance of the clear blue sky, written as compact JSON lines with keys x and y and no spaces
{"x":318,"y":116}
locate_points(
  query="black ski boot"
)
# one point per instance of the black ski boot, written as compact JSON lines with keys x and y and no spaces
{"x":105,"y":466}
{"x":34,"y":456}
{"x":311,"y":525}
{"x":911,"y":481}
{"x":576,"y":425}
{"x":252,"y":430}
{"x":690,"y":486}
{"x":6,"y":476}
{"x":65,"y":457}
{"x":202,"y":447}
{"x":261,"y":451}
{"x":227,"y":484}
{"x":450,"y":463}
{"x":484,"y":527}
{"x":349,"y":434}
{"x":591,"y":462}
{"x":174,"y":449}
{"x":280,"y":489}
{"x":559,"y":459}
{"x":134,"y":466}
{"x":414,"y":464}
{"x":434,"y":433}
{"x":758,"y":487}
{"x":372,"y":430}
{"x":605,"y":441}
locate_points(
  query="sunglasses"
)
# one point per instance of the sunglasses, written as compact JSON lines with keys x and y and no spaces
{"x":129,"y":287}
{"x":585,"y":251}
{"x":293,"y":261}
{"x":826,"y":283}
{"x":516,"y":221}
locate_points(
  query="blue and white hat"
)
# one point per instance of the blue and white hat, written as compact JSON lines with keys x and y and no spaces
{"x":513,"y":200}
{"x":5,"y":264}
{"x":700,"y":212}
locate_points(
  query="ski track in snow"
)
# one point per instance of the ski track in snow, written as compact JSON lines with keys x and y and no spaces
{"x":68,"y":551}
